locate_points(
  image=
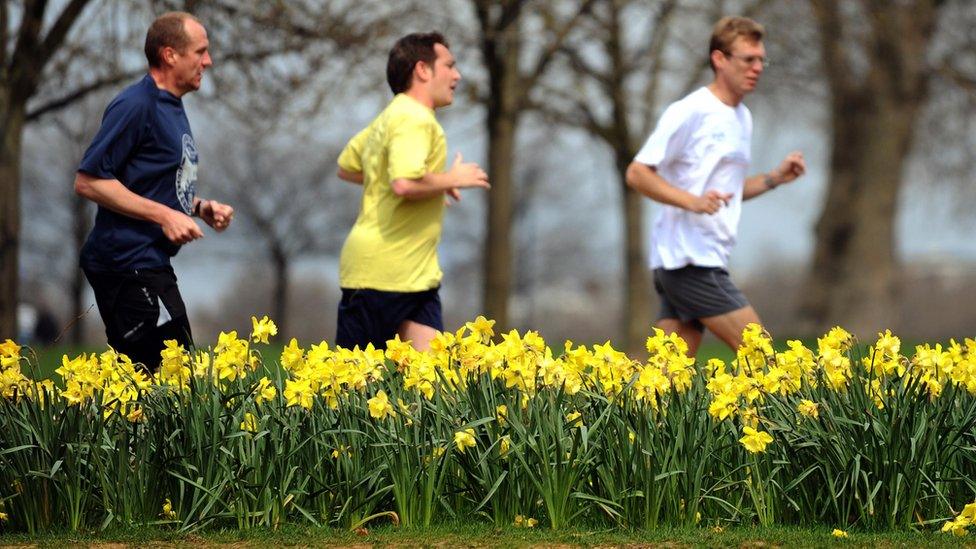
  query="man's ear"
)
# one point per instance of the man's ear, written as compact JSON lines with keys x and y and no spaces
{"x":168,"y":55}
{"x":422,"y":71}
{"x":717,"y":57}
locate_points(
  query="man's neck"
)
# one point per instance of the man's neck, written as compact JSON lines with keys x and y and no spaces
{"x":421,"y":96}
{"x":164,"y":81}
{"x":724,"y":94}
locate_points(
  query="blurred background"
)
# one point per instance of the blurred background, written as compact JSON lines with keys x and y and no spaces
{"x":556,"y":98}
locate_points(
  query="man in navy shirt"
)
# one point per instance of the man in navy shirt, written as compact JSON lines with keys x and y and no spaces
{"x":141,"y":170}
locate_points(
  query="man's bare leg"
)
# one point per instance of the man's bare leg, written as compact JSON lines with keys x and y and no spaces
{"x":419,"y":335}
{"x":728,"y":327}
{"x":686,"y":330}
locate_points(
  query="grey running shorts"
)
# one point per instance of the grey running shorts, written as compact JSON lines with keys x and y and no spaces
{"x":692,"y":292}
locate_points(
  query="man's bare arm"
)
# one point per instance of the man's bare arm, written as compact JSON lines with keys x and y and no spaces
{"x":112,"y":194}
{"x":645,"y":180}
{"x":791,"y":168}
{"x":352,"y":177}
{"x":461,"y":175}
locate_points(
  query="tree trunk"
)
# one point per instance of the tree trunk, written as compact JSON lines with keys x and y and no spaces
{"x":637,"y":292}
{"x":498,"y":246}
{"x":853,"y":278}
{"x":501,"y":53}
{"x":12,"y":135}
{"x":280,"y":299}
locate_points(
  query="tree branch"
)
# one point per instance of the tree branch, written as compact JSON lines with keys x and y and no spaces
{"x":79,"y":93}
{"x":24,"y":73}
{"x":59,"y":31}
{"x":580,"y":116}
{"x":546,"y":57}
{"x":4,"y":21}
{"x":957,"y":77}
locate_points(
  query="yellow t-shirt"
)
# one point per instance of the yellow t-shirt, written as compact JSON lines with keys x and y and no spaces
{"x":393,"y":245}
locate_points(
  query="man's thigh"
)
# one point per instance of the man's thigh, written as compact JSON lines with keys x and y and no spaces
{"x":729,"y":326}
{"x":140,"y":311}
{"x":690,"y":332}
{"x":419,"y":335}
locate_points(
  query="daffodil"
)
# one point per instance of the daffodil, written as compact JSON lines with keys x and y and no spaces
{"x":808,"y":408}
{"x":292,"y":356}
{"x":501,"y":414}
{"x":379,"y":405}
{"x":265,"y":391}
{"x":504,"y":445}
{"x":755,"y":441}
{"x":135,"y":415}
{"x":168,"y":512}
{"x":250,"y":423}
{"x":262,"y":329}
{"x":298,"y":393}
{"x":482,"y":328}
{"x":464,"y":439}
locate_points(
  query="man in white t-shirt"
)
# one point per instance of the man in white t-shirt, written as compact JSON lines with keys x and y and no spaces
{"x":695,"y":164}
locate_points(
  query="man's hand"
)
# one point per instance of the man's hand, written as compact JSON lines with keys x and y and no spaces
{"x":454,"y":194}
{"x":792,"y":167}
{"x":468,"y":174}
{"x":216,"y":215}
{"x":710,"y":202}
{"x":180,"y":228}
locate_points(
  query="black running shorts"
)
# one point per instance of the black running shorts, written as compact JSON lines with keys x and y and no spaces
{"x":691,"y":293}
{"x":373,"y":316}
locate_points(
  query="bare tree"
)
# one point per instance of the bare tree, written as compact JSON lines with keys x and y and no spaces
{"x":58,"y":215}
{"x":34,"y":46}
{"x":51,"y":57}
{"x":279,"y":168}
{"x":613,"y":95}
{"x":514,"y":68}
{"x":879,"y":65}
{"x":618,"y":65}
{"x":287,"y":198}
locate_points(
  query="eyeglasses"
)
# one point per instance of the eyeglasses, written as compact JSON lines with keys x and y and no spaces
{"x":749,"y":60}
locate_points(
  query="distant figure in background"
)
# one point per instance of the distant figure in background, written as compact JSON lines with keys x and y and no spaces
{"x":141,"y":170}
{"x":46,"y":329}
{"x":388,"y":269}
{"x":695,"y":164}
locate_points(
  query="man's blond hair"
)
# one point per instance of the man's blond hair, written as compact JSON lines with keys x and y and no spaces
{"x":728,"y":29}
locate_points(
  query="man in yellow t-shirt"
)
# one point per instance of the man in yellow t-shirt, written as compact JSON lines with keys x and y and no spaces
{"x":388,"y":269}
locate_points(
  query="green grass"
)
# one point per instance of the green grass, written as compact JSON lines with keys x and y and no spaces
{"x":476,"y":535}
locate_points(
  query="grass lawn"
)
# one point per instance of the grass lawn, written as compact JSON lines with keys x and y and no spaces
{"x":476,"y":535}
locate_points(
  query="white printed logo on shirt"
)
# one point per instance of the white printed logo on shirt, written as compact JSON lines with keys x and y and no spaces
{"x":186,"y":175}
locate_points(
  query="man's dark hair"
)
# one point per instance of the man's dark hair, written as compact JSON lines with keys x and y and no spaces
{"x":167,"y":31}
{"x":406,"y":53}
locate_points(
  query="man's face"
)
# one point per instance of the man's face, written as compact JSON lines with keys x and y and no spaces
{"x":742,"y":67}
{"x":188,"y":65}
{"x":444,"y":77}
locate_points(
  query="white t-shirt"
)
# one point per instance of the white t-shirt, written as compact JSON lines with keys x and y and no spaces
{"x":699,"y":143}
